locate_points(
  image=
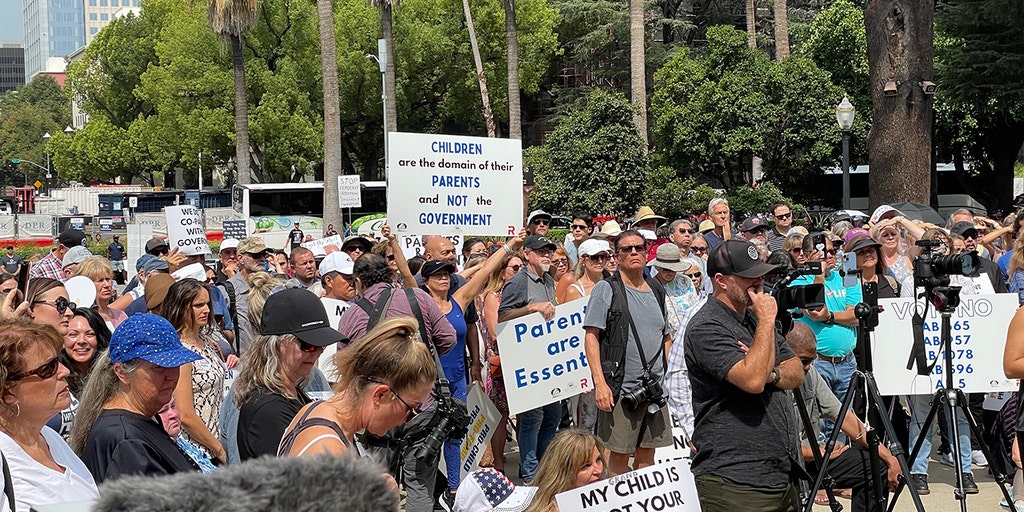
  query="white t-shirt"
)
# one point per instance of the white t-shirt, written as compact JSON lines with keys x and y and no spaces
{"x":36,"y":484}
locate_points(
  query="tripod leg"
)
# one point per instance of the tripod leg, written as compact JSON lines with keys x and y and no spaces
{"x":949,"y":398}
{"x":1001,"y":479}
{"x":894,"y":447}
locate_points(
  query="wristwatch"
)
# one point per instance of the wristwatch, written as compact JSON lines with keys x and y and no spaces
{"x":776,"y":376}
{"x":831,"y":319}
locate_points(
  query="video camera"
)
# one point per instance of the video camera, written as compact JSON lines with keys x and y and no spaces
{"x":788,"y":297}
{"x":932,"y":269}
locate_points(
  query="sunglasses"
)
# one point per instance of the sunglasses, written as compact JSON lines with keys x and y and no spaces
{"x":806,"y":361}
{"x":60,"y":304}
{"x":580,"y":226}
{"x":515,"y":268}
{"x":699,"y":250}
{"x":684,"y":231}
{"x":784,"y":216}
{"x":306,"y":347}
{"x":695,"y":275}
{"x":560,"y":262}
{"x":599,"y":257}
{"x":796,"y":251}
{"x":391,"y":257}
{"x":831,"y":252}
{"x":47,"y":370}
{"x":542,"y":222}
{"x":629,"y":249}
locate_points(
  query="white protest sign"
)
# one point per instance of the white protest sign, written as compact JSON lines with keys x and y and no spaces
{"x":995,"y":401}
{"x":680,"y":447}
{"x":483,"y":420}
{"x":412,"y":245}
{"x":185,"y":230}
{"x":978,"y":335}
{"x":543,"y":361}
{"x":445,"y":184}
{"x":350,"y":195}
{"x":329,"y":244}
{"x":334,"y":309}
{"x":663,"y":487}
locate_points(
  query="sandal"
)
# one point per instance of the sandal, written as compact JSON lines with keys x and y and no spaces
{"x":821,"y":498}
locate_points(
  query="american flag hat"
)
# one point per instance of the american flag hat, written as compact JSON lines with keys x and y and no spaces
{"x":487,"y":490}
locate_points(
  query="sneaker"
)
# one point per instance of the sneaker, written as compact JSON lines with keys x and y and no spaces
{"x":969,"y":486}
{"x":920,"y":483}
{"x":447,"y":501}
{"x":978,"y":458}
{"x":947,"y":460}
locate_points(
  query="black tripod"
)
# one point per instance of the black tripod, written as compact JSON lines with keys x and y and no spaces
{"x":946,"y":299}
{"x":863,"y":384}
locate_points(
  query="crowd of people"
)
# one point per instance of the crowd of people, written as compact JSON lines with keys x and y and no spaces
{"x":204,"y":362}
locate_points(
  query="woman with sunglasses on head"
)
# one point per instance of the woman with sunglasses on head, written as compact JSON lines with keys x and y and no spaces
{"x":437,"y":281}
{"x":488,"y":303}
{"x":384,"y":380}
{"x":200,"y":389}
{"x":44,"y":470}
{"x":270,"y":390}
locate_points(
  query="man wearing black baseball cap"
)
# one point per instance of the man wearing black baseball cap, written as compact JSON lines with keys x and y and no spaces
{"x":989,"y":280}
{"x":740,"y":368}
{"x":52,"y":265}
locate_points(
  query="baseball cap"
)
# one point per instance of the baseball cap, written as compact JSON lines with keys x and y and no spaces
{"x":737,"y":258}
{"x":668,"y":257}
{"x":884,"y":212}
{"x":229,"y":243}
{"x":859,"y":242}
{"x":155,"y":243}
{"x":534,"y":242}
{"x":141,"y":262}
{"x":489,"y":490}
{"x":434,"y":266}
{"x":72,"y":238}
{"x":252,"y":245}
{"x":337,"y":261}
{"x":156,"y":289}
{"x":151,"y":338}
{"x":155,"y":264}
{"x":752,"y":223}
{"x":300,"y":313}
{"x":593,"y":246}
{"x":354,"y":240}
{"x":538,"y":214}
{"x":963,"y":227}
{"x":75,"y":255}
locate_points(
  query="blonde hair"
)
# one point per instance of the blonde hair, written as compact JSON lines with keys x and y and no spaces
{"x":497,"y":278}
{"x":1017,"y":260}
{"x":392,"y":352}
{"x":94,"y":267}
{"x":569,"y":451}
{"x":261,"y":285}
{"x":261,"y":368}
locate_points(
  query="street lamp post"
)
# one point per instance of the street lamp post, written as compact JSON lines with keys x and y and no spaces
{"x":844,"y":116}
{"x":382,"y":63}
{"x":46,"y":140}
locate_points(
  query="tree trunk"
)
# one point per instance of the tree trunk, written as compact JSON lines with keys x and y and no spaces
{"x":242,"y":159}
{"x":781,"y":30}
{"x":637,"y":67}
{"x":515,"y":122}
{"x":899,"y":34}
{"x":332,"y":112}
{"x":389,"y":74}
{"x":751,"y":12}
{"x":485,"y":97}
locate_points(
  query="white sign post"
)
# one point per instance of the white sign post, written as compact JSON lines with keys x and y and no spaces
{"x":444,"y":184}
{"x":349,"y":192}
{"x":978,"y":332}
{"x":665,"y":487}
{"x":185,"y":230}
{"x":543,"y":361}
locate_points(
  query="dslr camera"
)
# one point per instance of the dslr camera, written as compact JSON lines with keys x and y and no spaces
{"x":789,"y":298}
{"x":648,"y":392}
{"x":932,"y":268}
{"x":451,"y":420}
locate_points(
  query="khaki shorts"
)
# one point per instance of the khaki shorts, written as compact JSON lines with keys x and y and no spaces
{"x":623,"y":431}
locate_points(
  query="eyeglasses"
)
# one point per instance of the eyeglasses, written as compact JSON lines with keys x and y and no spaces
{"x":806,"y":361}
{"x":306,"y":347}
{"x":542,"y":222}
{"x":543,"y":253}
{"x":699,"y":250}
{"x":560,"y":262}
{"x":60,"y":304}
{"x":515,"y":268}
{"x":784,"y":216}
{"x":411,"y":412}
{"x":628,"y":249}
{"x":47,"y":370}
{"x":580,"y":226}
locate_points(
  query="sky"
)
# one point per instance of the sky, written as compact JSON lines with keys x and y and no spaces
{"x":12,"y":26}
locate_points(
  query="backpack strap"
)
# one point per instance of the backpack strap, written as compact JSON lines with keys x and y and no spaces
{"x":8,"y":483}
{"x":233,"y":311}
{"x":376,"y":312}
{"x":441,"y":382}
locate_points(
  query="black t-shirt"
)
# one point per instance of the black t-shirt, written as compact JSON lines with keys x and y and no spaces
{"x":262,"y":420}
{"x":749,"y":439}
{"x":116,"y":251}
{"x":10,"y":263}
{"x":124,"y":443}
{"x":295,"y":236}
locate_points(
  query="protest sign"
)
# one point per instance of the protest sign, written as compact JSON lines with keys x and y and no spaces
{"x":412,"y":245}
{"x":448,"y":185}
{"x":185,"y":230}
{"x":234,"y":229}
{"x":978,"y":335}
{"x":106,"y":224}
{"x":350,"y":195}
{"x":665,"y":487}
{"x":334,"y":308}
{"x":543,"y":361}
{"x":680,"y":447}
{"x":483,"y":420}
{"x":996,"y":400}
{"x":328,"y":243}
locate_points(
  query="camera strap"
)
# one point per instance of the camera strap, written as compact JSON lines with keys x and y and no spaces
{"x":917,"y":352}
{"x":632,"y":326}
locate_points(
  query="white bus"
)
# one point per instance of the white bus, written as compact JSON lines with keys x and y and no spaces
{"x":272,"y":209}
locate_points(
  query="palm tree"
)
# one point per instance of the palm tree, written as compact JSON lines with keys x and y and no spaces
{"x":515,"y":123}
{"x":231,"y":19}
{"x":751,"y":11}
{"x":637,"y":69}
{"x":781,"y":30}
{"x":484,"y":95}
{"x":332,"y":112}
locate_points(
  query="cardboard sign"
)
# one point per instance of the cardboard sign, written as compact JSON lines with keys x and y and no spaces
{"x":995,"y":401}
{"x":543,"y":361}
{"x":334,"y":309}
{"x":663,"y":487}
{"x":234,"y":229}
{"x":978,"y":335}
{"x":185,"y":230}
{"x":680,"y":447}
{"x":329,"y":244}
{"x":483,"y":420}
{"x":412,"y":245}
{"x":350,"y":194}
{"x":446,"y":185}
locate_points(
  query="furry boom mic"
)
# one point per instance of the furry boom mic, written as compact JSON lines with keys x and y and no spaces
{"x":266,"y":484}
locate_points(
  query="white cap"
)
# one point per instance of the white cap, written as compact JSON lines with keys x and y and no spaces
{"x":195,"y":271}
{"x":592,"y":246}
{"x":648,"y":234}
{"x":338,"y":261}
{"x":229,"y":243}
{"x":75,"y":255}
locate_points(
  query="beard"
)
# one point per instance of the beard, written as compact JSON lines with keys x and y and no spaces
{"x":545,"y":268}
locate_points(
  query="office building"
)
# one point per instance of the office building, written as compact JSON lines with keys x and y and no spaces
{"x":53,"y":29}
{"x":12,"y":66}
{"x":98,"y":14}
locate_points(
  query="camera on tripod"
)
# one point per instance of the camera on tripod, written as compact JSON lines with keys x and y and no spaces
{"x":932,"y":269}
{"x":790,"y":297}
{"x":648,"y":392}
{"x":451,"y":420}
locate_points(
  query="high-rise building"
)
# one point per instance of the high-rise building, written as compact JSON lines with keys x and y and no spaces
{"x":12,"y":66}
{"x":99,"y":12}
{"x":53,"y":29}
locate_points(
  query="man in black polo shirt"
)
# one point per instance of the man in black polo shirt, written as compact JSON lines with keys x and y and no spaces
{"x":745,"y":429}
